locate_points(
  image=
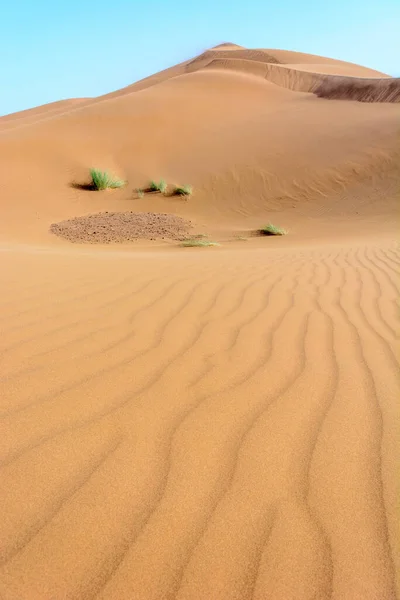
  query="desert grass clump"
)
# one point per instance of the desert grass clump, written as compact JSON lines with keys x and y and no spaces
{"x":102,"y":180}
{"x":160,"y":186}
{"x":140,"y":193}
{"x":271,"y":229}
{"x":198,"y":243}
{"x":183,"y":190}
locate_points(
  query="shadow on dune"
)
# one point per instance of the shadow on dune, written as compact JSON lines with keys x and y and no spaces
{"x":83,"y":186}
{"x":349,"y":88}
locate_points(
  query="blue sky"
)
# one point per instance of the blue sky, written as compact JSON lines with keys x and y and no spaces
{"x":77,"y":48}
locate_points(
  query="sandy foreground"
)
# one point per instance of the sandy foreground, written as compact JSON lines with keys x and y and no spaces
{"x":203,"y":424}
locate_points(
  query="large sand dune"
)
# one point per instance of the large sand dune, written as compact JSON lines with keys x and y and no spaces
{"x":216,"y":423}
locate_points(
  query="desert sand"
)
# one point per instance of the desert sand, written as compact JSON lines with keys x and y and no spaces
{"x":204,"y":423}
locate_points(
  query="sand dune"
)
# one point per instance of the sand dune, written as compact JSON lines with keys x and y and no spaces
{"x":204,"y":424}
{"x":236,"y":160}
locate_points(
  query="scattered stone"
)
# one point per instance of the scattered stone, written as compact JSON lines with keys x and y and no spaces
{"x":120,"y":227}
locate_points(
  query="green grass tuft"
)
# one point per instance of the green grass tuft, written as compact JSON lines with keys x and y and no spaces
{"x":183,"y":190}
{"x":196,"y":242}
{"x":101,"y":180}
{"x":140,"y":192}
{"x":161,"y":186}
{"x":271,"y":229}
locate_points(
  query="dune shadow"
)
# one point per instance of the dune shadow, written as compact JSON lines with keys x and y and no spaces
{"x":176,"y":194}
{"x":361,"y":89}
{"x":83,"y":186}
{"x":149,"y":190}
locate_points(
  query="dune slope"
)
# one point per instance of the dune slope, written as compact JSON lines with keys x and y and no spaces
{"x":251,"y":144}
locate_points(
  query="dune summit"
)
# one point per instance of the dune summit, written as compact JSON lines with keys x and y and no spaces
{"x":203,"y":424}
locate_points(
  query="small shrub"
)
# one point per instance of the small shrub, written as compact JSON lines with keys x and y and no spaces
{"x":271,"y":229}
{"x":161,"y":186}
{"x":101,"y":180}
{"x":140,"y":193}
{"x":196,"y":242}
{"x":183,"y":190}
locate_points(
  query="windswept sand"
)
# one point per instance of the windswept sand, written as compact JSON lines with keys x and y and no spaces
{"x":204,"y":424}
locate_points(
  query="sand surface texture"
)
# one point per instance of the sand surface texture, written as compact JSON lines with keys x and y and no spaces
{"x":204,"y":423}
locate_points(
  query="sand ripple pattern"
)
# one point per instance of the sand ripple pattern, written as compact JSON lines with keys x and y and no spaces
{"x":200,"y":426}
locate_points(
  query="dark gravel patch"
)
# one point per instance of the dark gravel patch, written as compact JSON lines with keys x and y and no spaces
{"x":119,"y":227}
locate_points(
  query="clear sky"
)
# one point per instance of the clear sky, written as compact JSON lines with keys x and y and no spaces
{"x":51,"y":50}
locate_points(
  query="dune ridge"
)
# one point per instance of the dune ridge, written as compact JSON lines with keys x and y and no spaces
{"x":230,"y":56}
{"x":323,"y":85}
